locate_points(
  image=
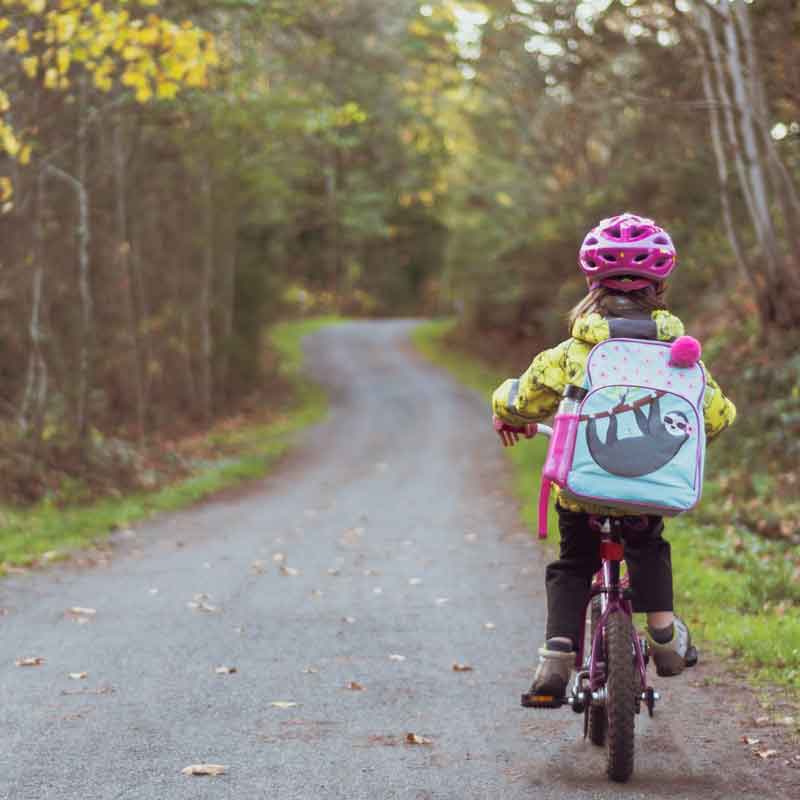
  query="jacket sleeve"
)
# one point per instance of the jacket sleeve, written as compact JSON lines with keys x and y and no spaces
{"x":718,"y":411}
{"x":535,"y":395}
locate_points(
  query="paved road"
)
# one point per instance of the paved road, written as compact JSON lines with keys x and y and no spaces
{"x":409,"y":557}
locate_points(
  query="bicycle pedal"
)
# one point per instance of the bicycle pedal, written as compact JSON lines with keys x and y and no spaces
{"x":529,"y":700}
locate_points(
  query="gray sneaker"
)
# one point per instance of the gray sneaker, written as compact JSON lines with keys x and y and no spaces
{"x":672,"y":657}
{"x":556,"y":660}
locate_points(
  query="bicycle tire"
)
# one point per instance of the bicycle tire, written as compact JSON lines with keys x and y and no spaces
{"x":620,"y":697}
{"x":598,"y":721}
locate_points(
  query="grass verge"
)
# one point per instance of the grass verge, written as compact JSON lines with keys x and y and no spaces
{"x":48,"y":531}
{"x":740,"y":592}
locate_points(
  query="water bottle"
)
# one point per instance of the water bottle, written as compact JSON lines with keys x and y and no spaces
{"x":565,"y":431}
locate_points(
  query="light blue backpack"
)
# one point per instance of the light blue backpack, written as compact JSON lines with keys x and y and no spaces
{"x":640,"y":439}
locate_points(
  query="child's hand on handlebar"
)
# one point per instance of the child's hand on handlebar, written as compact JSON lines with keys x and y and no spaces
{"x":509,"y":434}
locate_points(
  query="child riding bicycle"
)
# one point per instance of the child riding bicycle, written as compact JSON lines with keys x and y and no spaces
{"x":626,"y":260}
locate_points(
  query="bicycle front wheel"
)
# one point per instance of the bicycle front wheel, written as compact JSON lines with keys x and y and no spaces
{"x":620,"y":696}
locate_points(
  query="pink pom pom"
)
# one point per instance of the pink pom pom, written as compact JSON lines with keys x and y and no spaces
{"x":685,"y":352}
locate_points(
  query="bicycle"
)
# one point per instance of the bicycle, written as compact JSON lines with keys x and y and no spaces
{"x":610,"y":684}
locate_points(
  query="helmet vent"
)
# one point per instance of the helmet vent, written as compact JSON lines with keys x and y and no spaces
{"x":615,"y":232}
{"x":591,"y":262}
{"x":640,"y":257}
{"x":636,"y":232}
{"x":609,"y":257}
{"x":661,"y":262}
{"x":660,"y":240}
{"x":591,"y":240}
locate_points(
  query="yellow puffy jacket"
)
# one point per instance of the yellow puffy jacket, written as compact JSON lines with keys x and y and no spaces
{"x":536,"y":394}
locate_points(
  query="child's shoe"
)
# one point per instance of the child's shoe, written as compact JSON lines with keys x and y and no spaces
{"x":672,"y":648}
{"x":556,"y":660}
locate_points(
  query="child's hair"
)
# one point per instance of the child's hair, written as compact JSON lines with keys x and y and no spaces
{"x":649,"y":299}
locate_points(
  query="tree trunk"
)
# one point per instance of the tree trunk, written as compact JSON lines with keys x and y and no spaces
{"x":206,"y":289}
{"x":34,"y":404}
{"x":126,"y":277}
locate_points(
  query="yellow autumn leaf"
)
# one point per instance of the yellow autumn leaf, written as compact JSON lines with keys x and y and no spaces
{"x":25,"y":154}
{"x":66,"y":25}
{"x":149,"y":36}
{"x":143,"y":93}
{"x":63,"y":59}
{"x":4,"y":23}
{"x":30,"y":66}
{"x":20,"y":42}
{"x":36,"y":6}
{"x":166,"y":90}
{"x":51,"y":78}
{"x":4,"y":104}
{"x":9,"y":140}
{"x":6,"y":189}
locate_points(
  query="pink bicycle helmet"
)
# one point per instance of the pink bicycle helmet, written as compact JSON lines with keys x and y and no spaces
{"x":629,"y":246}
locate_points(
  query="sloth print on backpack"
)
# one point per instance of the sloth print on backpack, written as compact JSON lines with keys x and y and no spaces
{"x":659,"y":441}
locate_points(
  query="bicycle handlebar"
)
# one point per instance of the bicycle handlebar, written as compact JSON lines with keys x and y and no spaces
{"x":509,"y":434}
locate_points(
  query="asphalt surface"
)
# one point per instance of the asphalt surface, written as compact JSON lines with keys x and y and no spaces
{"x":382,"y":551}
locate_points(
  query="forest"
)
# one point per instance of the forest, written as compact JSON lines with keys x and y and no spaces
{"x":176,"y":177}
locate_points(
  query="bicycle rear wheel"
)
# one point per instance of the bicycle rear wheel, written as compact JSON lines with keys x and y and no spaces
{"x":620,"y":696}
{"x":598,"y":722}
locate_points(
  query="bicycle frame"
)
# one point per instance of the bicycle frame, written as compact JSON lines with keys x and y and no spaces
{"x":612,"y":590}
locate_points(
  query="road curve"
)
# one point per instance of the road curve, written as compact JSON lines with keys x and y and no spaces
{"x":384,"y":549}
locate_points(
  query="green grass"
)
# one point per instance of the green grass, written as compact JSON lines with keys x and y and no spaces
{"x":51,"y":531}
{"x":739,"y":592}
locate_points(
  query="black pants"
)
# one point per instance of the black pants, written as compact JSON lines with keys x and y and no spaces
{"x":568,"y":580}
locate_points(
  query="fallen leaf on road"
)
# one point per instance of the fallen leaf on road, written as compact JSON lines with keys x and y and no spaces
{"x":750,"y":740}
{"x":259,"y":566}
{"x":415,"y":581}
{"x":470,"y":537}
{"x":461,"y":667}
{"x":767,"y":753}
{"x":200,"y":603}
{"x":349,"y":620}
{"x":283,"y":704}
{"x":279,"y":558}
{"x":310,"y":670}
{"x":354,"y":686}
{"x":204,"y":769}
{"x":489,"y":626}
{"x":30,"y":661}
{"x":440,"y":601}
{"x":153,"y":591}
{"x":333,"y":571}
{"x":413,"y":738}
{"x":87,"y":691}
{"x":371,"y":573}
{"x":290,"y":572}
{"x":316,"y":593}
{"x":77,"y":676}
{"x":80,"y":611}
{"x":225,"y":670}
{"x":396,"y":657}
{"x":377,"y":590}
